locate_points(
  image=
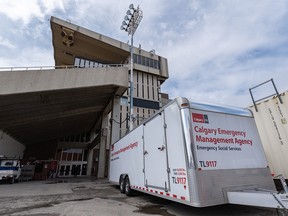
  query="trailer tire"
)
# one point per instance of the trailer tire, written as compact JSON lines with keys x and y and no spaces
{"x":122,"y":184}
{"x":12,"y":180}
{"x":128,"y":190}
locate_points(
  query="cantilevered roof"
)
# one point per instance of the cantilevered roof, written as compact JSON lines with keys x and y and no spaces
{"x":70,"y":41}
{"x":41,"y":105}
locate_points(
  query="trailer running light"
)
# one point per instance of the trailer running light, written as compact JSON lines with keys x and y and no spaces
{"x":184,"y":105}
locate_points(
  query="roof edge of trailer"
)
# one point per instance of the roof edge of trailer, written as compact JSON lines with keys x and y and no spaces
{"x":220,"y":108}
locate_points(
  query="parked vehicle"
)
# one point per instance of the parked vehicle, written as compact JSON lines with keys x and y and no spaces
{"x":10,"y":169}
{"x":197,"y":154}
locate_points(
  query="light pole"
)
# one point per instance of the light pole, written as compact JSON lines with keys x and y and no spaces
{"x":131,"y":21}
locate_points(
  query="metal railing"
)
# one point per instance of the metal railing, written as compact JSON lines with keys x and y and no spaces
{"x":2,"y":69}
{"x":261,"y":99}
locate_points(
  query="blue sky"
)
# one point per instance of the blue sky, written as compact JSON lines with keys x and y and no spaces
{"x":216,"y":49}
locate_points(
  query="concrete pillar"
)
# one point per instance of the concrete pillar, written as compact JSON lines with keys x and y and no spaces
{"x":89,"y":161}
{"x":108,"y":137}
{"x":115,"y":123}
{"x":102,"y":147}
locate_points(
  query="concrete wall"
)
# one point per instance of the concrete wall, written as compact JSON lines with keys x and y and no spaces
{"x":13,"y":82}
{"x":10,"y":147}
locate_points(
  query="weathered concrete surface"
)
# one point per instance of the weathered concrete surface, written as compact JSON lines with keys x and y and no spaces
{"x":86,"y":196}
{"x":15,"y":82}
{"x":43,"y":105}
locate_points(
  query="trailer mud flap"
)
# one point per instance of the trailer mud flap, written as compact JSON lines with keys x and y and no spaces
{"x":156,"y":171}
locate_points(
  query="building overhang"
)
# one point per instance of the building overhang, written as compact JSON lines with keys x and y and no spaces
{"x":41,"y":105}
{"x":71,"y":41}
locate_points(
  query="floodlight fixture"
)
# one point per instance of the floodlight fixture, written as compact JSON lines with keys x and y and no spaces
{"x":133,"y":19}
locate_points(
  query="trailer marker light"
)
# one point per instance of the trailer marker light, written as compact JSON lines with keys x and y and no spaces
{"x":184,"y":105}
{"x":183,"y":198}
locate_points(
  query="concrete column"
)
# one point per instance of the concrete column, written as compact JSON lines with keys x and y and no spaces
{"x":89,"y":161}
{"x":103,"y":143}
{"x":115,"y":123}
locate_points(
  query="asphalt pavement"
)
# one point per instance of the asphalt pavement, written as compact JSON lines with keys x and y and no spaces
{"x":89,"y":196}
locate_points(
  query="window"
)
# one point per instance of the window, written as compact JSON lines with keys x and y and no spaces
{"x":142,"y":60}
{"x":84,"y":63}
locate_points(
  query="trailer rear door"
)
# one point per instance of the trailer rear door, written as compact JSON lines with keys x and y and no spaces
{"x":155,"y":153}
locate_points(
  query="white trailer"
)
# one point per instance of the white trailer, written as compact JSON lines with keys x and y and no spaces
{"x":196,"y":154}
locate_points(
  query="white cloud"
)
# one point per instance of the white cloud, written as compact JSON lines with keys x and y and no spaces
{"x":29,"y":57}
{"x":207,"y":60}
{"x":21,"y":10}
{"x":6,"y":43}
{"x":25,"y":11}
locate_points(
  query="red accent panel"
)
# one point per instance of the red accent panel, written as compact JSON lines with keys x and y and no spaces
{"x":198,"y":117}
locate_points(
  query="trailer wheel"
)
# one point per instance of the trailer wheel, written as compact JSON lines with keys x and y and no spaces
{"x":11,"y":181}
{"x":128,"y":190}
{"x":122,"y":184}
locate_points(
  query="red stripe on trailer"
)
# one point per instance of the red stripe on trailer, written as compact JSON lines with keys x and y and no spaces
{"x":159,"y":192}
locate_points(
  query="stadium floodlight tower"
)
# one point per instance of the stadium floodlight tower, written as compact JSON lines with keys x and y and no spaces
{"x":130,"y":24}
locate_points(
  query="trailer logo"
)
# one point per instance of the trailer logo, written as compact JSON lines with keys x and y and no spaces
{"x":200,"y":118}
